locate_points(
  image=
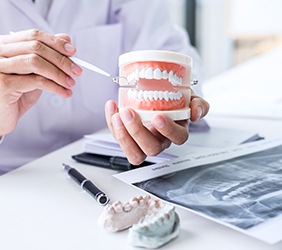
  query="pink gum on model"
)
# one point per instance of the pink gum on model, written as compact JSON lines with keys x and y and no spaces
{"x":155,"y":82}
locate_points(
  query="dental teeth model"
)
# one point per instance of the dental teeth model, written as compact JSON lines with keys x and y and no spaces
{"x":155,"y":82}
{"x":156,"y":229}
{"x":152,"y":223}
{"x":118,"y":216}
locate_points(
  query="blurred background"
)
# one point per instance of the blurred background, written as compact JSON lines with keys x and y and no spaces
{"x":240,"y":43}
{"x":229,"y":32}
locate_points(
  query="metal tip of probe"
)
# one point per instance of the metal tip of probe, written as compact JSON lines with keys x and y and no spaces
{"x":66,"y":167}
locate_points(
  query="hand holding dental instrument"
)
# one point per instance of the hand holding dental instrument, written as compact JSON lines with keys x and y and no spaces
{"x":86,"y":184}
{"x":84,"y":64}
{"x":89,"y":66}
{"x":94,"y":68}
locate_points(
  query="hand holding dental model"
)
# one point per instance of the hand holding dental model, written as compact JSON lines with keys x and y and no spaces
{"x":37,"y":77}
{"x":155,"y":102}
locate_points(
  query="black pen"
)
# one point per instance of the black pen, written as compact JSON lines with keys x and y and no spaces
{"x":86,"y":184}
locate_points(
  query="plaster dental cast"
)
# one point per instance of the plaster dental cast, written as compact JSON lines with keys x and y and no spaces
{"x":151,"y":222}
{"x":48,"y":101}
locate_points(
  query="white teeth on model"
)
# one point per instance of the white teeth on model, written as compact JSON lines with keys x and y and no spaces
{"x":157,"y":74}
{"x":149,"y":73}
{"x":136,"y":75}
{"x":142,"y":73}
{"x":154,"y":95}
{"x":165,"y":74}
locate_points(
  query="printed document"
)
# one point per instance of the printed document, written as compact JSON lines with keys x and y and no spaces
{"x":240,"y":186}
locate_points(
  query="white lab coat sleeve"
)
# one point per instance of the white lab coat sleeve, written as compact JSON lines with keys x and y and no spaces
{"x":147,"y":24}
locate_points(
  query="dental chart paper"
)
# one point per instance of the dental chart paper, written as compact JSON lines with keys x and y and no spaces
{"x":240,"y":186}
{"x":203,"y":139}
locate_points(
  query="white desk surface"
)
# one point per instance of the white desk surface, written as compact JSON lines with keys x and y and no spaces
{"x":41,"y":208}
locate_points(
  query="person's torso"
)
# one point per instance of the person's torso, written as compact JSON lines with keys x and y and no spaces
{"x":55,"y":121}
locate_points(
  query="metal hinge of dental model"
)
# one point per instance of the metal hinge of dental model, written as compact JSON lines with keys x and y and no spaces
{"x":117,"y":80}
{"x":194,"y":82}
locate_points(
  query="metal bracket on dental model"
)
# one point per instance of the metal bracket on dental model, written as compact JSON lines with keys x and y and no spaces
{"x":194,"y":82}
{"x":116,"y":79}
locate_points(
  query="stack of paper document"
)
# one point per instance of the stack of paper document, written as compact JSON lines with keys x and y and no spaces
{"x":103,"y":143}
{"x":239,"y":187}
